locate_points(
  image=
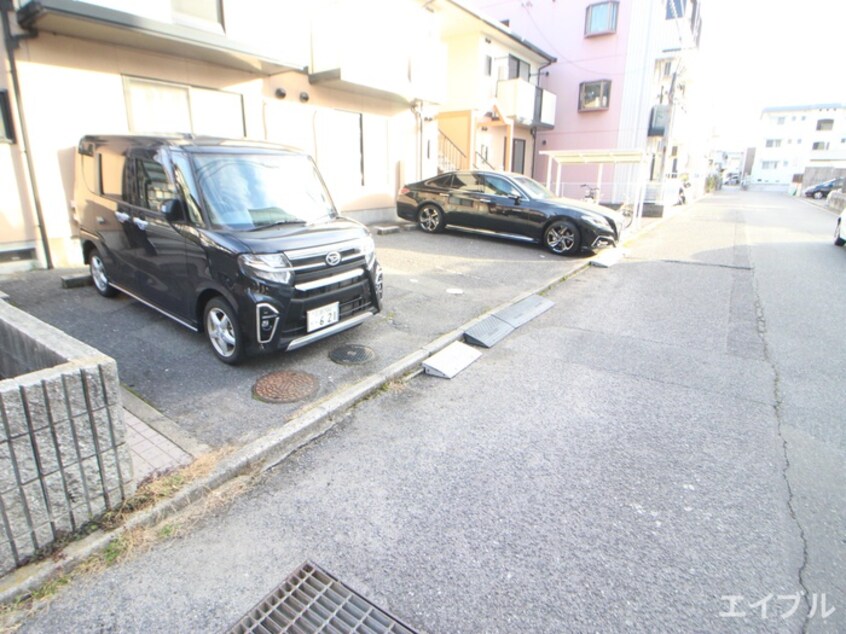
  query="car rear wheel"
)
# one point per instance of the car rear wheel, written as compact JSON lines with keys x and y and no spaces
{"x":221,"y":325}
{"x":430,"y":218}
{"x":818,"y":195}
{"x":99,"y":275}
{"x":562,"y":238}
{"x":838,"y":241}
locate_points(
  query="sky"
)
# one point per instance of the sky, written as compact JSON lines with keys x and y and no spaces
{"x":759,"y":53}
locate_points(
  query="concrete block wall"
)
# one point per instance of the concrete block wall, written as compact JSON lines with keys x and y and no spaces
{"x":836,"y":201}
{"x":63,"y":455}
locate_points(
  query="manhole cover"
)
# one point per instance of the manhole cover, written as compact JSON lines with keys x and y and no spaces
{"x":352,"y":354}
{"x":285,"y":387}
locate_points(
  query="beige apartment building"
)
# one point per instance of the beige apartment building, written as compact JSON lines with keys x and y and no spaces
{"x":371,"y":99}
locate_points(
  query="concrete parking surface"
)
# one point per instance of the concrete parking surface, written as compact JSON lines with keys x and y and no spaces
{"x":433,"y":284}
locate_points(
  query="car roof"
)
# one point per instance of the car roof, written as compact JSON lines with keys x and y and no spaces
{"x":189,"y":142}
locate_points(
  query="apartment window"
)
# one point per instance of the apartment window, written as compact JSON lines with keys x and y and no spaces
{"x":825,"y":124}
{"x":517,"y":68}
{"x":601,"y":18}
{"x":157,"y":107}
{"x":200,"y":14}
{"x":769,"y":165}
{"x":594,"y":95}
{"x":668,"y":68}
{"x":7,"y":127}
{"x":675,"y":9}
{"x":820,"y":145}
{"x":488,"y":65}
{"x":773,"y":142}
{"x":780,"y":121}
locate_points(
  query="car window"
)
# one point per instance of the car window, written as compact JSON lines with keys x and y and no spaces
{"x":152,"y":185}
{"x":469,"y":183}
{"x":499,"y":186}
{"x":253,"y":191}
{"x":444,"y":181}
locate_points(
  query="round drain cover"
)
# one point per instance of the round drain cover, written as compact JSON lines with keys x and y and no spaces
{"x":285,"y":387}
{"x":352,"y":354}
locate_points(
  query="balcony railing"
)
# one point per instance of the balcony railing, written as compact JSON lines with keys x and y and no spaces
{"x":526,"y":103}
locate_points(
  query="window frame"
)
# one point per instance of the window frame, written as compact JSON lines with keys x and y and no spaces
{"x":614,"y":11}
{"x":520,"y":64}
{"x":188,"y":19}
{"x":825,"y":125}
{"x":7,"y":131}
{"x":671,"y":6}
{"x":605,"y":91}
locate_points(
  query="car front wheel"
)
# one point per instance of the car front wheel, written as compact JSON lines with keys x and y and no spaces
{"x":430,"y":218}
{"x":818,"y":195}
{"x":562,"y":238}
{"x":221,"y":325}
{"x":838,"y":241}
{"x":99,"y":275}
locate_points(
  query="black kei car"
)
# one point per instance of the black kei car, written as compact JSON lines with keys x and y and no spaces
{"x":237,"y":239}
{"x":508,"y":205}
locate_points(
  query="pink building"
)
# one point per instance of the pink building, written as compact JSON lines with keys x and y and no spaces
{"x":623,"y":79}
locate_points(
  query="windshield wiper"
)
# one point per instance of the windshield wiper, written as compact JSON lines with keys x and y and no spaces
{"x":278,"y":223}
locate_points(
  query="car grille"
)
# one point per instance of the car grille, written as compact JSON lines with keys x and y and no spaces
{"x":310,"y":264}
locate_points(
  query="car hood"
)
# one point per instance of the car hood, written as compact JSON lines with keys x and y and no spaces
{"x":300,"y":236}
{"x":588,"y":207}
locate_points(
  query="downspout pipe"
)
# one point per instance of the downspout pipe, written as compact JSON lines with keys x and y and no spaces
{"x":12,"y":43}
{"x":534,"y":129}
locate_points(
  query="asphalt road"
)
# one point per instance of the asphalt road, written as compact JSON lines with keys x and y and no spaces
{"x":661,"y":451}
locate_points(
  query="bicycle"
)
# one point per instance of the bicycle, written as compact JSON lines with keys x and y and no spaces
{"x":627,"y":211}
{"x":591,"y":193}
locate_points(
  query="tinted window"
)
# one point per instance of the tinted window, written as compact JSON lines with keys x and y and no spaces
{"x":113,"y":175}
{"x":499,"y":186}
{"x":152,"y":186}
{"x":469,"y":183}
{"x":444,"y":181}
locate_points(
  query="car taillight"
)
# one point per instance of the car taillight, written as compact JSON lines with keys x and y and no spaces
{"x":404,"y":191}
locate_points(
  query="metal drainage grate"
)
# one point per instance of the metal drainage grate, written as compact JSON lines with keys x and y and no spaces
{"x":352,"y":354}
{"x":312,"y":600}
{"x":285,"y":387}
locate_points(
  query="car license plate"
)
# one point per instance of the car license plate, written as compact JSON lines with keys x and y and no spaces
{"x":322,"y":317}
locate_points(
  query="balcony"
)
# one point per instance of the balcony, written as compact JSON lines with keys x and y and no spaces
{"x":400,"y":64}
{"x":526,"y":103}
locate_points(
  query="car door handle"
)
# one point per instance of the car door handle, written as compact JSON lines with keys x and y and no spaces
{"x":140,"y":223}
{"x":121,"y":217}
{"x":485,"y":200}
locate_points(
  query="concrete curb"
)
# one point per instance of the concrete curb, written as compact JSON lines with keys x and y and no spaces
{"x":264,"y":453}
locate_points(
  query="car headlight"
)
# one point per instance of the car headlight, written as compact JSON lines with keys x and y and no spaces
{"x":271,"y":267}
{"x":368,"y":248}
{"x":597,"y":221}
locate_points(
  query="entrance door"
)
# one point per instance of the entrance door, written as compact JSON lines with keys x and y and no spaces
{"x":518,"y":156}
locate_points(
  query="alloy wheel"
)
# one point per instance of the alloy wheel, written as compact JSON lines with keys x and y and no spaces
{"x":221,"y":332}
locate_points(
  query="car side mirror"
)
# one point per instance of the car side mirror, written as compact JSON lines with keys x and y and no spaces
{"x":173,"y":210}
{"x":517,"y":199}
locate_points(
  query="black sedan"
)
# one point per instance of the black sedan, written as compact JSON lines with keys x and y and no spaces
{"x":822,"y":190}
{"x":508,"y":205}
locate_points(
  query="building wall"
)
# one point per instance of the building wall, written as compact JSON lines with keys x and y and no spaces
{"x":786,"y":141}
{"x":343,"y":130}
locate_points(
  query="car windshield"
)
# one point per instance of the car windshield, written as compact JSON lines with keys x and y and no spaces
{"x":252,"y":191}
{"x":533,"y":188}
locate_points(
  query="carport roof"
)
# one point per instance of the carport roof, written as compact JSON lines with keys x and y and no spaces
{"x":596,"y":156}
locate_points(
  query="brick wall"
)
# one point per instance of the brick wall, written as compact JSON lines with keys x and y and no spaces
{"x":63,"y":455}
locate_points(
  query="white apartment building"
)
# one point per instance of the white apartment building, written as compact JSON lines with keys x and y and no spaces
{"x":358,"y":84}
{"x":793,"y":138}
